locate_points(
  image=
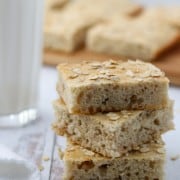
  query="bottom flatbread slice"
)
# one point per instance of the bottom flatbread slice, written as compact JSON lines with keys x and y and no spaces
{"x":83,"y":164}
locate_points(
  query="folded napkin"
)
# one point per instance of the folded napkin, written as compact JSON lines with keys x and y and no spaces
{"x":13,"y":167}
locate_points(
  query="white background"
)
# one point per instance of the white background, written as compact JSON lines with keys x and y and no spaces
{"x":158,"y":2}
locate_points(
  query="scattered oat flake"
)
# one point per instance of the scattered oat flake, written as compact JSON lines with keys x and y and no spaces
{"x":113,"y":62}
{"x":136,"y":148}
{"x":40,"y":167}
{"x":113,"y":116}
{"x":73,"y":76}
{"x":174,"y":158}
{"x":69,"y":149}
{"x":129,"y":73}
{"x":109,"y":74}
{"x":87,"y":152}
{"x":136,"y":70}
{"x":125,"y":116}
{"x":157,"y":74}
{"x":126,"y":154}
{"x":116,"y":154}
{"x":110,"y":62}
{"x":139,"y":79}
{"x":144,"y":149}
{"x":45,"y":158}
{"x":111,"y":66}
{"x":137,"y":61}
{"x":93,"y":77}
{"x":95,"y":65}
{"x":122,"y":67}
{"x":76,"y":70}
{"x":145,"y":74}
{"x":61,"y":153}
{"x":158,"y":141}
{"x":102,"y":72}
{"x":160,"y":150}
{"x":104,"y":76}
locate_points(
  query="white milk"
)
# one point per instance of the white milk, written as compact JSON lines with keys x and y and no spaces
{"x":20,"y":54}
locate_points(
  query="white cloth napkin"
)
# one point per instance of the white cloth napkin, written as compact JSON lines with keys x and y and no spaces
{"x":13,"y":167}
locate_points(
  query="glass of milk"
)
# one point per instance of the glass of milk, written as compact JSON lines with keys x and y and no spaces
{"x":20,"y":60}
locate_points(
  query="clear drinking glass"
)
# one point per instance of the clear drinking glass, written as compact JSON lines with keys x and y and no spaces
{"x":20,"y":60}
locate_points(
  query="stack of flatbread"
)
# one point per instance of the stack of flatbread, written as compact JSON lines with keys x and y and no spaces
{"x":114,"y":27}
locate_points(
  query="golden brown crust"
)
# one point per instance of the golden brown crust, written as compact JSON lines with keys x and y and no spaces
{"x":169,"y":45}
{"x":90,"y":87}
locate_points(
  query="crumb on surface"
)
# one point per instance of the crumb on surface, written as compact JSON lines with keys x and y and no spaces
{"x":160,"y":150}
{"x":61,"y":153}
{"x":41,"y":168}
{"x":45,"y":158}
{"x":176,"y":157}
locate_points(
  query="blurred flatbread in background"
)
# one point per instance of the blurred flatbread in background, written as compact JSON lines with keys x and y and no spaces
{"x":170,"y":14}
{"x":66,"y":33}
{"x":170,"y":64}
{"x":55,"y":4}
{"x":136,"y":39}
{"x":65,"y":28}
{"x":102,"y":11}
{"x":103,"y":7}
{"x":58,"y":3}
{"x":108,"y":8}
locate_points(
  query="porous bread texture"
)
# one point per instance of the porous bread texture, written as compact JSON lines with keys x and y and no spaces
{"x":112,"y":134}
{"x":84,"y":164}
{"x":138,"y":39}
{"x":109,"y":86}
